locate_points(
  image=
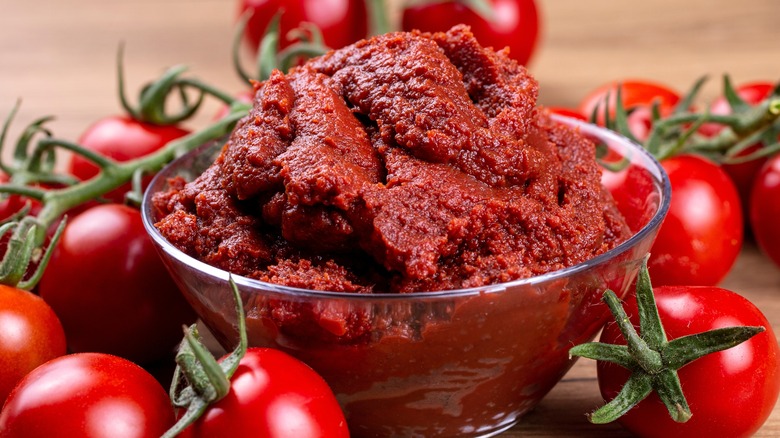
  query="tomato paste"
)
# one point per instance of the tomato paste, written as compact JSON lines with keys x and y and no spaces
{"x":409,"y":162}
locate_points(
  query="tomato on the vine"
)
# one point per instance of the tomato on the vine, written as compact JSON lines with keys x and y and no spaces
{"x":342,"y":22}
{"x":111,"y":290}
{"x":743,"y":174}
{"x":701,"y":236}
{"x":637,"y":97}
{"x":765,"y":209}
{"x":273,"y":395}
{"x":121,"y":138}
{"x":89,"y":395}
{"x":30,"y":334}
{"x":515,"y":24}
{"x":752,"y":93}
{"x":731,"y":393}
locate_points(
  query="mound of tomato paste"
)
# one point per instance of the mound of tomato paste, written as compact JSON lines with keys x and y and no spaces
{"x":406,"y":162}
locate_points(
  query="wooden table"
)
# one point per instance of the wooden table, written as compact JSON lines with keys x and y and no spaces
{"x":59,"y":57}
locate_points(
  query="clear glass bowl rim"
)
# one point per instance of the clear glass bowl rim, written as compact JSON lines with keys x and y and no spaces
{"x":656,"y":170}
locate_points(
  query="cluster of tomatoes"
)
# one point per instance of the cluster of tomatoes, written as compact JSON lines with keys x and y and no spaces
{"x":712,"y":206}
{"x":88,"y":354}
{"x":504,"y":23}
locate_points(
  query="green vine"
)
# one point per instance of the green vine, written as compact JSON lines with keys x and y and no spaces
{"x":679,"y":132}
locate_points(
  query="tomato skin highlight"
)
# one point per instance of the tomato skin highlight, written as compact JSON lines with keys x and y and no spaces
{"x":701,"y":236}
{"x":111,"y":290}
{"x":273,"y":395}
{"x":342,"y":22}
{"x":121,"y":138}
{"x":517,"y":24}
{"x":88,"y":395}
{"x":765,"y":209}
{"x":30,"y":334}
{"x":731,"y":393}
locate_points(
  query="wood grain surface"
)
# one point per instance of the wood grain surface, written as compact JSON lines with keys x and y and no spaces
{"x":59,"y":58}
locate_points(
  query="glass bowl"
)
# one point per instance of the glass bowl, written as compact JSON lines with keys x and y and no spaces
{"x":464,"y":362}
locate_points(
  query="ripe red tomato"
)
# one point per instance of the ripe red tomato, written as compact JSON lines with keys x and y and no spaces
{"x":110,"y":289}
{"x":273,"y":395}
{"x":516,"y":24}
{"x":30,"y":334}
{"x":342,"y":22}
{"x":87,"y":395}
{"x":121,"y":138}
{"x":765,"y":209}
{"x":637,"y":96}
{"x":731,"y":393}
{"x":701,"y":235}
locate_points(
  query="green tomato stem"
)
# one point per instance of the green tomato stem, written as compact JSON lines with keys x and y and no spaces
{"x":649,"y":320}
{"x":378,"y":22}
{"x":647,"y":358}
{"x":209,"y":381}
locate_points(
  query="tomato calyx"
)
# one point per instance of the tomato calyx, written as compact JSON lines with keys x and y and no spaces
{"x":652,"y":359}
{"x":21,"y":228}
{"x":308,"y":43}
{"x":153,"y":96}
{"x":31,"y":231}
{"x":209,"y":380}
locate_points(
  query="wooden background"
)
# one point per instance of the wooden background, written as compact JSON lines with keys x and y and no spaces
{"x":59,"y":57}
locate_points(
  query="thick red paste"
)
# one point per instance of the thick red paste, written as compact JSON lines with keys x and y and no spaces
{"x":405,"y":163}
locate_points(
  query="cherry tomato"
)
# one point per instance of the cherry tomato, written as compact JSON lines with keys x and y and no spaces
{"x":637,"y":96}
{"x":123,"y":139}
{"x":516,"y":24}
{"x":743,"y":174}
{"x":701,"y":235}
{"x":731,"y":393}
{"x":87,"y":395}
{"x":30,"y":334}
{"x":273,"y":395}
{"x":765,"y":209}
{"x":110,"y":289}
{"x":342,"y":22}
